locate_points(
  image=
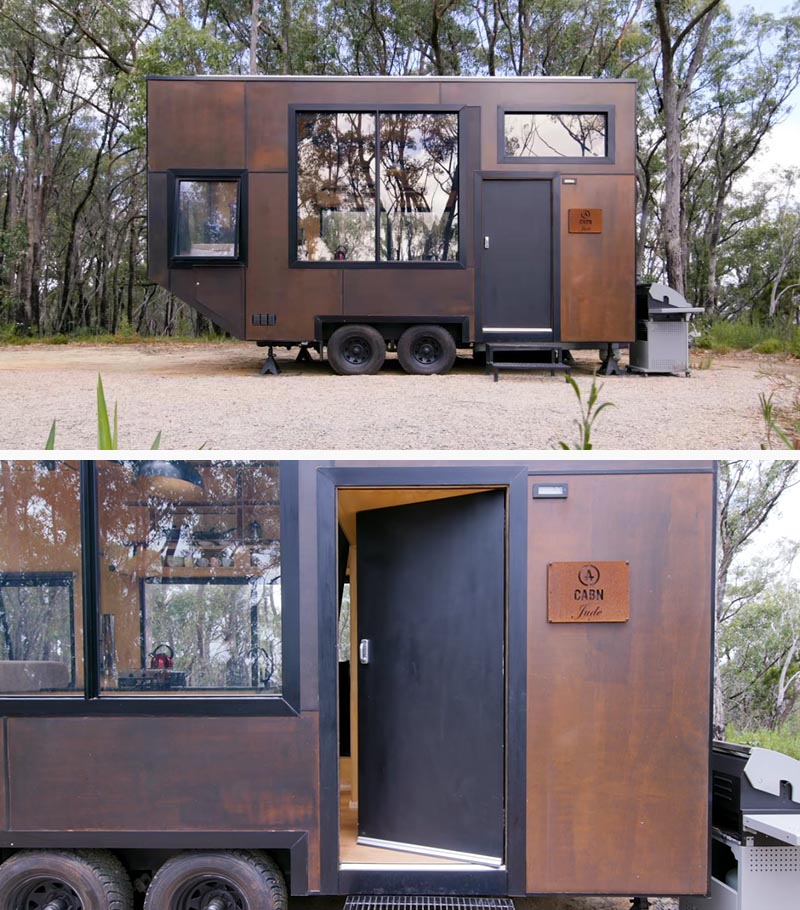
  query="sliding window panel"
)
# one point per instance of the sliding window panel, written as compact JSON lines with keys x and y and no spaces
{"x":41,"y":620}
{"x":419,"y":187}
{"x":336,"y":187}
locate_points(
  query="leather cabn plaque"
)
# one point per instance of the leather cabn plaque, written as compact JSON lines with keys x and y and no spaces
{"x":588,"y":591}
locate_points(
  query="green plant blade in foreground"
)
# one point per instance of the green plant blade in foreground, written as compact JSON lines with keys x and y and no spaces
{"x":104,"y":437}
{"x":51,"y":439}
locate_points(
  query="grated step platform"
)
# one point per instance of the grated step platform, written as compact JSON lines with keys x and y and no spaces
{"x":425,"y":902}
{"x":525,"y":357}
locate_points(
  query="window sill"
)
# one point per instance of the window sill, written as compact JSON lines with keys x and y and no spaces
{"x":148,"y":706}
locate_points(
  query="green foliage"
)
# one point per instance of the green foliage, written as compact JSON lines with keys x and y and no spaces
{"x":758,"y":650}
{"x":785,"y":738}
{"x":769,"y":413}
{"x":590,"y":411}
{"x":769,"y":337}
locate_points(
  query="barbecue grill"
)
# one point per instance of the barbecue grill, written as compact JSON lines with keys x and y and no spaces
{"x":662,"y":330}
{"x":755,"y":839}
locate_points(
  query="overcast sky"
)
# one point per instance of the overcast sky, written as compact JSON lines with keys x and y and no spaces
{"x":783,"y":524}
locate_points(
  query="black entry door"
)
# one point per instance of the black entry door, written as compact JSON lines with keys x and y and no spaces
{"x":431,"y":608}
{"x":516,"y":258}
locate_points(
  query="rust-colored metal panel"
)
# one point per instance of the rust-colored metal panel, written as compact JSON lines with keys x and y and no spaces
{"x":588,"y":591}
{"x":295,"y":296}
{"x":618,"y":714}
{"x":410,"y":292}
{"x":217,"y":293}
{"x":491,"y":94}
{"x":164,"y":773}
{"x":598,"y":270}
{"x":195,"y":124}
{"x":157,"y":244}
{"x":268,"y":108}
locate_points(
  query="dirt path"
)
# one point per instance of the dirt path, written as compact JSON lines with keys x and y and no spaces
{"x":213,"y":393}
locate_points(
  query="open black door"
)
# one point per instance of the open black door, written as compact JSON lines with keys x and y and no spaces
{"x":431,"y":621}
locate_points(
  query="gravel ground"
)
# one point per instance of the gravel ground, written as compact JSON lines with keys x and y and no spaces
{"x":212,"y":393}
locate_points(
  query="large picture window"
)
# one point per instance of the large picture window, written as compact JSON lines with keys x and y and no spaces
{"x":555,"y":135}
{"x":190,"y":600}
{"x":207,"y":219}
{"x":41,"y":629}
{"x":403,"y":164}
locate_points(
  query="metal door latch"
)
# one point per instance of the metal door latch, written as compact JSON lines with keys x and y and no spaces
{"x":363,"y":651}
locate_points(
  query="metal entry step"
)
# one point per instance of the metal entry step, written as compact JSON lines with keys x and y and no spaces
{"x":425,"y":902}
{"x":520,"y":357}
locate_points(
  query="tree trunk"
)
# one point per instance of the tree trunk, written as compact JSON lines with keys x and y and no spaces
{"x":673,"y":100}
{"x":254,"y":27}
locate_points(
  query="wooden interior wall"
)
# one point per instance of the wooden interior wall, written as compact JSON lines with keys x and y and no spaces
{"x":619,"y":713}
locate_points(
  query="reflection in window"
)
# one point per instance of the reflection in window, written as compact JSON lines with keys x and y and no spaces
{"x":576,"y":135}
{"x":41,"y":633}
{"x":190,"y":579}
{"x":207,"y":218}
{"x":419,"y":186}
{"x":336,"y":187}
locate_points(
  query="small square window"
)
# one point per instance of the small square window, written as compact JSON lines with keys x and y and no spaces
{"x":207,"y":223}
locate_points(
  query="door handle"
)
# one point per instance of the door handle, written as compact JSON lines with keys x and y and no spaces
{"x":486,"y":242}
{"x":363,"y":651}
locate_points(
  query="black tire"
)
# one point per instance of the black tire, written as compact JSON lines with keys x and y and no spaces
{"x":354,"y":350}
{"x":240,"y":879}
{"x":80,"y":880}
{"x":426,"y":349}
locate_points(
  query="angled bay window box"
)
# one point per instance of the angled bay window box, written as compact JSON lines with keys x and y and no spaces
{"x":207,"y":217}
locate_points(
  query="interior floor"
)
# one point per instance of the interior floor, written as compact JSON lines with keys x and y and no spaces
{"x":352,"y":852}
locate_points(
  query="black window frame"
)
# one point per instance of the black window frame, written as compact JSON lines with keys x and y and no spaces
{"x":174,"y":178}
{"x":91,"y":701}
{"x":53,"y":580}
{"x":460,"y":262}
{"x":609,"y":110}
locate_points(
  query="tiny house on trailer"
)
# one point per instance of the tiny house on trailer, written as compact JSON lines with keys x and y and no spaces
{"x":220,"y":680}
{"x":425,"y":214}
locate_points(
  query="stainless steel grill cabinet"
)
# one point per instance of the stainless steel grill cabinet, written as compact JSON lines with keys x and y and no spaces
{"x":662,"y":330}
{"x":755,"y":842}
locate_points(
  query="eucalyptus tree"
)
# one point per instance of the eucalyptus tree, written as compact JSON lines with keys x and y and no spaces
{"x":748,"y":494}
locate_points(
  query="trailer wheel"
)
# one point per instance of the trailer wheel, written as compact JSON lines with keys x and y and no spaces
{"x":426,"y":349}
{"x":64,"y":880}
{"x":220,"y":880}
{"x":356,"y":349}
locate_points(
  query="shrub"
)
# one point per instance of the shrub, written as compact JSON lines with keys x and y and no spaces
{"x":769,"y":346}
{"x":785,"y":738}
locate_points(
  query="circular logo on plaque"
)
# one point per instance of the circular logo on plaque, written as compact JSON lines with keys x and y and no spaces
{"x":586,"y":214}
{"x":588,"y":575}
